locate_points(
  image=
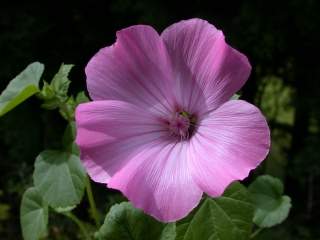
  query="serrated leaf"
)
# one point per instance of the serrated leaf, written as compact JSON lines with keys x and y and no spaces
{"x":21,"y":87}
{"x":60,"y":82}
{"x":272,"y":207}
{"x":225,"y":218}
{"x":33,"y":215}
{"x":60,"y":178}
{"x":56,"y":93}
{"x":124,"y":222}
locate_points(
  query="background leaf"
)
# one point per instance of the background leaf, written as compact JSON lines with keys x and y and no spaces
{"x":4,"y":211}
{"x":272,"y":207}
{"x":60,"y":178}
{"x":21,"y":87}
{"x":226,"y":218}
{"x":124,"y":222}
{"x":33,"y":215}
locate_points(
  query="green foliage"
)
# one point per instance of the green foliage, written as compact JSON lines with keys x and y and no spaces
{"x":124,"y":222}
{"x":272,"y":207}
{"x":276,"y":100}
{"x":69,"y":134}
{"x":69,"y":137}
{"x":4,"y":211}
{"x":60,"y":181}
{"x":56,"y":93}
{"x":64,"y":209}
{"x":21,"y":87}
{"x":33,"y":215}
{"x":67,"y":110}
{"x":226,"y":218}
{"x":81,"y":98}
{"x":60,"y":178}
{"x":60,"y":82}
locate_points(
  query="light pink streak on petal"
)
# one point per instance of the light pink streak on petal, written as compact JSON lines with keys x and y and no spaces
{"x":216,"y":69}
{"x":230,"y":142}
{"x":159,"y":181}
{"x":110,"y":133}
{"x":135,"y":69}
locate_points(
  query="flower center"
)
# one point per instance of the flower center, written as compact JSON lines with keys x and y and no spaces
{"x":182,"y":125}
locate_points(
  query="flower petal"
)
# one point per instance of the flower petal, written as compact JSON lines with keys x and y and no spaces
{"x":158,"y":180}
{"x":110,"y":133}
{"x":216,"y":68}
{"x":135,"y":69}
{"x":230,"y":142}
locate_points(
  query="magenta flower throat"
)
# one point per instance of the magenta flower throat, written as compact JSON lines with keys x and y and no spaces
{"x":161,"y":127}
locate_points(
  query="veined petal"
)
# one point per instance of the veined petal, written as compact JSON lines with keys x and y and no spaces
{"x":161,"y":129}
{"x":216,"y":69}
{"x":159,"y":181}
{"x":135,"y":69}
{"x":230,"y":142}
{"x":110,"y":133}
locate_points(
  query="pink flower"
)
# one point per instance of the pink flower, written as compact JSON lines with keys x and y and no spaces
{"x":162,"y":128}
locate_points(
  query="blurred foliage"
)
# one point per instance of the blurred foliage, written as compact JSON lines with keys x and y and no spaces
{"x":280,"y":38}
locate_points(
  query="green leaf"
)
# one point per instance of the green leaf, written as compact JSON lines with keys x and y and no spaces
{"x":60,"y":82}
{"x":272,"y":207}
{"x":33,"y":215}
{"x":21,"y":87}
{"x":124,"y":222}
{"x":225,"y":218}
{"x":65,"y":209}
{"x":60,"y":178}
{"x":46,"y":91}
{"x":81,"y":98}
{"x":67,"y":109}
{"x":56,"y":93}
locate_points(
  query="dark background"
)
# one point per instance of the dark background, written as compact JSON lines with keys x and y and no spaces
{"x":280,"y":38}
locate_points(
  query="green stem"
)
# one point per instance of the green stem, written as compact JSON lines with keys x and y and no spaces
{"x":92,"y":203}
{"x":256,"y":232}
{"x":79,"y":223}
{"x":65,"y":112}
